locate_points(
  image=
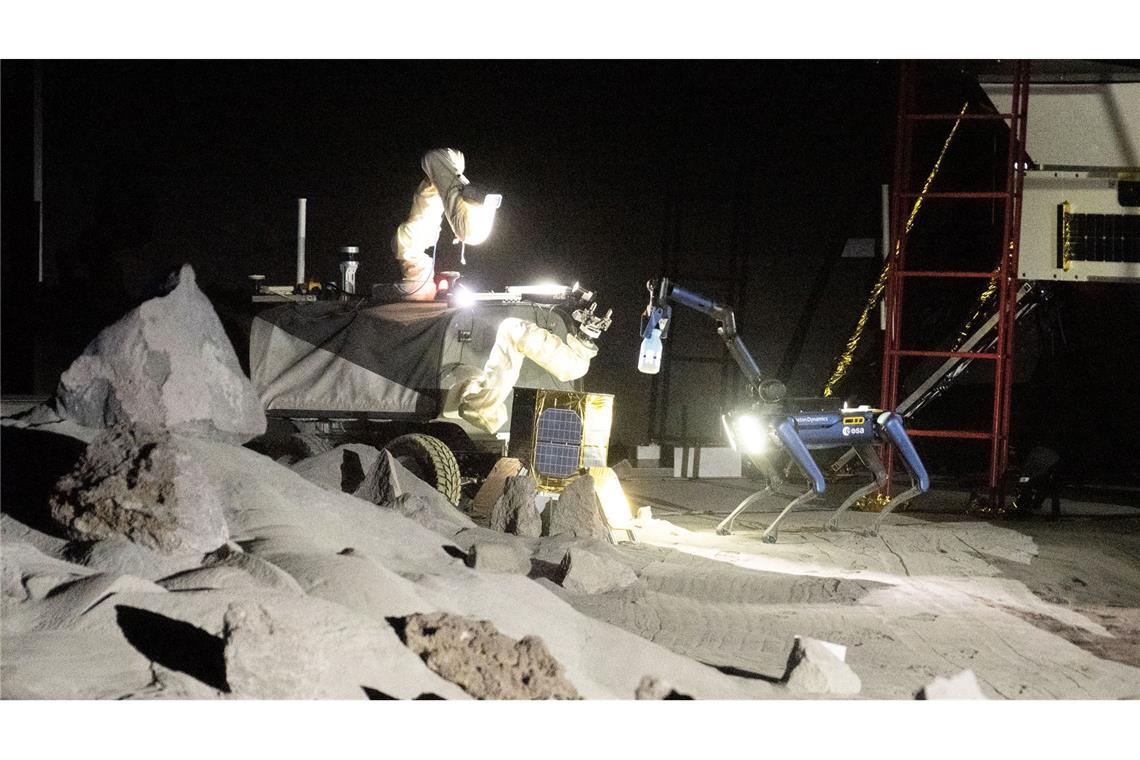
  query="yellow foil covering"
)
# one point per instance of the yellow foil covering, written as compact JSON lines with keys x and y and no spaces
{"x":872,"y":502}
{"x":983,"y":299}
{"x":848,"y":354}
{"x":596,"y":410}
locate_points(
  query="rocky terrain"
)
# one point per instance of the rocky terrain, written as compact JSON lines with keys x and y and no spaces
{"x":147,"y":553}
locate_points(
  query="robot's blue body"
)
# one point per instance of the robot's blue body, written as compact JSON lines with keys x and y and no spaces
{"x":774,"y":421}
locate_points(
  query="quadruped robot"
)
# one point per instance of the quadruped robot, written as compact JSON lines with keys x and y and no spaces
{"x":772,"y":421}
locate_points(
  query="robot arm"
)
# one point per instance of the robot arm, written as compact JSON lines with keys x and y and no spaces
{"x":768,"y":419}
{"x":655,"y":329}
{"x":443,"y":194}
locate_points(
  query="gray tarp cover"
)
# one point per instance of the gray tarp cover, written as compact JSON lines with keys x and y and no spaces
{"x":378,"y":358}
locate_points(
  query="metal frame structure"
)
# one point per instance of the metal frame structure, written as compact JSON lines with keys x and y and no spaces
{"x":903,"y":197}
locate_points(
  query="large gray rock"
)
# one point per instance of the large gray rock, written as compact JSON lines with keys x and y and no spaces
{"x":577,"y":511}
{"x":351,"y":468}
{"x":167,"y":363}
{"x":814,"y":667}
{"x":585,"y":572}
{"x":146,"y":485}
{"x":395,"y":486}
{"x":269,"y":657}
{"x":514,"y":512}
{"x":493,"y":487}
{"x":485,"y":663}
{"x":962,"y":686}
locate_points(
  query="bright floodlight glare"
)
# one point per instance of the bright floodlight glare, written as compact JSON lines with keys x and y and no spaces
{"x":480,"y":220}
{"x":463,"y":297}
{"x":728,"y":432}
{"x":539,"y":289}
{"x":615,"y":505}
{"x":750,"y":434}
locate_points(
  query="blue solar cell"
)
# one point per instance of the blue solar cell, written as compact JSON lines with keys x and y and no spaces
{"x":558,"y":443}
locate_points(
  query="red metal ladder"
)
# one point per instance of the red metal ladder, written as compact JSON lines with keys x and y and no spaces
{"x":902,"y":200}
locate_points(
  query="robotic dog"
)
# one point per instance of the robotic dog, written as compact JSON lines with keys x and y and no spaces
{"x":773,"y":421}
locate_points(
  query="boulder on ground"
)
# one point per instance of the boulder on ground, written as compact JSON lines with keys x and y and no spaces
{"x":962,"y":686}
{"x":817,"y":667}
{"x":483,"y":662}
{"x":268,"y":658}
{"x":514,"y":512}
{"x":143,"y":484}
{"x":350,"y":468}
{"x":376,"y":476}
{"x":499,"y":558}
{"x":395,"y":486}
{"x":167,"y":364}
{"x":577,"y":511}
{"x":586,"y":572}
{"x":494,"y":485}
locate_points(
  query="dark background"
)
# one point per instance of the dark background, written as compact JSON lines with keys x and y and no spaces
{"x":606,"y":168}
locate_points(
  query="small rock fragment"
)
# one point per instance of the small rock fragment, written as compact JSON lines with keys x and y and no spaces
{"x":815,"y":668}
{"x":12,"y":583}
{"x":584,"y":572}
{"x":962,"y":686}
{"x":655,"y":688}
{"x":485,"y":663}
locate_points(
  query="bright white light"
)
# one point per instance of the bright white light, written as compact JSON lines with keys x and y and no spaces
{"x":615,"y":505}
{"x":463,"y":297}
{"x":751,"y":434}
{"x":480,"y":220}
{"x":728,"y":432}
{"x":539,"y":289}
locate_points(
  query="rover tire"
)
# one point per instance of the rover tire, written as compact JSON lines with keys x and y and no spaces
{"x":430,"y":460}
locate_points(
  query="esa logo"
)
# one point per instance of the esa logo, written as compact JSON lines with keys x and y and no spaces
{"x":849,"y":430}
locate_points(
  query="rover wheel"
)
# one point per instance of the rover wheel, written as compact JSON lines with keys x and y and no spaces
{"x":430,"y":460}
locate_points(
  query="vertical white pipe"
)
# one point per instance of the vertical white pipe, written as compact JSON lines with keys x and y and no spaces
{"x":300,"y":240}
{"x":885,"y":202}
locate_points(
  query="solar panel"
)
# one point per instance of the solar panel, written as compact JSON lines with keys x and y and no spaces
{"x":558,"y":443}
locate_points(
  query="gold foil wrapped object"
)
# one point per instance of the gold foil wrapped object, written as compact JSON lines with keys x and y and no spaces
{"x":848,"y":354}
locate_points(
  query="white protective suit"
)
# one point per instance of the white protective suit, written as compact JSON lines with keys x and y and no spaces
{"x":482,"y":400}
{"x":439,"y":195}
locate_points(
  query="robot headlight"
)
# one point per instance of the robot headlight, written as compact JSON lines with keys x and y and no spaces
{"x":747,"y":433}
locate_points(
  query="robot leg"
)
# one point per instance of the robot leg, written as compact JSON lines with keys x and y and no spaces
{"x":892,"y":426}
{"x":867,"y":455}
